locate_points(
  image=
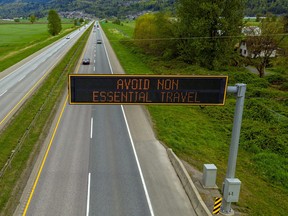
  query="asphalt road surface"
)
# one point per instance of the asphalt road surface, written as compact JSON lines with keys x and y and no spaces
{"x":18,"y":82}
{"x":103,"y":160}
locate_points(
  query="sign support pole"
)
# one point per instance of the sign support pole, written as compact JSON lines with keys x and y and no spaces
{"x":240,"y":90}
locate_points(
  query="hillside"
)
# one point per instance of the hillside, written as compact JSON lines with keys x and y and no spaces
{"x":119,"y":8}
{"x":266,"y":6}
{"x":99,"y":8}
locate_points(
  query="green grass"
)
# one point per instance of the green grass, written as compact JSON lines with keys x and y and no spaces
{"x":21,"y":40}
{"x":49,"y":94}
{"x":202,"y":135}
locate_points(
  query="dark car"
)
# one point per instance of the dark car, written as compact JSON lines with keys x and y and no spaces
{"x":99,"y":41}
{"x":86,"y":61}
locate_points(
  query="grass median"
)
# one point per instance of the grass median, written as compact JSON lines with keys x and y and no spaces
{"x":29,"y":127}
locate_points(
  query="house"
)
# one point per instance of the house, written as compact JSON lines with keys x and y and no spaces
{"x":251,"y":31}
{"x":247,"y":49}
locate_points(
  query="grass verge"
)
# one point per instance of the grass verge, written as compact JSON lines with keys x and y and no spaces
{"x":30,"y":126}
{"x":202,"y":135}
{"x":20,"y":41}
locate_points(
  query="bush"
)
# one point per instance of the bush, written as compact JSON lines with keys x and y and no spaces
{"x":256,"y":137}
{"x":117,"y":22}
{"x":256,"y":110}
{"x":276,"y":79}
{"x":284,"y":86}
{"x":248,"y":78}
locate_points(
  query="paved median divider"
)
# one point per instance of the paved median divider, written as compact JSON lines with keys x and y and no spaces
{"x":188,"y":185}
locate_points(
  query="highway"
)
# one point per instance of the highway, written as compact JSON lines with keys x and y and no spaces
{"x":18,"y":82}
{"x":103,"y":160}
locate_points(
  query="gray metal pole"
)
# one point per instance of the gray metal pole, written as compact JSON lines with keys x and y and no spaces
{"x":240,"y":95}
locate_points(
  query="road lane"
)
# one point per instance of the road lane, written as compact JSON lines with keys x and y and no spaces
{"x":116,"y":186}
{"x":109,"y":181}
{"x":165,"y":189}
{"x":18,"y":84}
{"x":61,"y":189}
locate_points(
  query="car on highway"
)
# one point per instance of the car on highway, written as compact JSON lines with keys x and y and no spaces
{"x":86,"y":61}
{"x":99,"y":41}
{"x":68,"y":37}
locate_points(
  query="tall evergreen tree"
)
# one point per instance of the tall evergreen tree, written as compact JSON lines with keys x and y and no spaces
{"x":54,"y":23}
{"x":207,"y":30}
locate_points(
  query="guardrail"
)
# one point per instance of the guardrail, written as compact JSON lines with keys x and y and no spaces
{"x":189,"y":187}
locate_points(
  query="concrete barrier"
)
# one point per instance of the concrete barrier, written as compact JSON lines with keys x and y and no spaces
{"x":191,"y":190}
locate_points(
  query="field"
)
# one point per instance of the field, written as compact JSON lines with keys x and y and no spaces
{"x":20,"y":40}
{"x":201,"y":135}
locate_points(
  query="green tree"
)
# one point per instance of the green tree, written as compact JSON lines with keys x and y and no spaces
{"x":54,"y":23}
{"x":208,"y":30}
{"x":154,"y":33}
{"x":32,"y":18}
{"x":262,"y":48}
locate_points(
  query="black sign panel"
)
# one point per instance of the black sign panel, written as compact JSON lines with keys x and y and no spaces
{"x":147,"y":89}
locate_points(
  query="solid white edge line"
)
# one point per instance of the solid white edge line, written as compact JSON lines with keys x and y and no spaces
{"x":133,"y":146}
{"x":88,"y":195}
{"x":3,"y":93}
{"x":91,"y":132}
{"x":138,"y":165}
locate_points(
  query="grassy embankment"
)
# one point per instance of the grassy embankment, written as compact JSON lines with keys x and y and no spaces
{"x":29,"y":127}
{"x":203,"y":135}
{"x":21,"y":40}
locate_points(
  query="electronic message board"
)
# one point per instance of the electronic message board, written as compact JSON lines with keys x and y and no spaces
{"x":147,"y":89}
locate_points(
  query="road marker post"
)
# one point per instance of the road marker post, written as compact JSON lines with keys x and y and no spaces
{"x":217,"y":205}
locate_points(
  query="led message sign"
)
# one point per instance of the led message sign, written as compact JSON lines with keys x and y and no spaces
{"x":147,"y":89}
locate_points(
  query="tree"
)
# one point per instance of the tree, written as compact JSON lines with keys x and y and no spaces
{"x":54,"y":23}
{"x":208,"y":30}
{"x":32,"y":18}
{"x":262,"y":47}
{"x":154,"y":34}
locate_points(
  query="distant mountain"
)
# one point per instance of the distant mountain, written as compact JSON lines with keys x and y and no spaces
{"x":99,"y":8}
{"x":263,"y":7}
{"x":119,"y":8}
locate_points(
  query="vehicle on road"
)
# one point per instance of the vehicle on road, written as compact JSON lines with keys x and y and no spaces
{"x":99,"y":41}
{"x":86,"y":61}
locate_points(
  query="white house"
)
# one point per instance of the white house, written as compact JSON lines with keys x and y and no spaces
{"x":251,"y":31}
{"x":246,"y":52}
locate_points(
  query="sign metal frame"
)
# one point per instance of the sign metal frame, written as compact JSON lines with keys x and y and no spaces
{"x":181,"y":80}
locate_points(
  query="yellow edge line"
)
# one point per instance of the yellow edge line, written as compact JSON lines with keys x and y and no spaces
{"x":49,"y":146}
{"x":44,"y":159}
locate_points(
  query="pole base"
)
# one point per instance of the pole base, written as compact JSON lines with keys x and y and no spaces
{"x":226,"y":213}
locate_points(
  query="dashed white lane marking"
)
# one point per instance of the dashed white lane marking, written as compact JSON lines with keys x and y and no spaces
{"x":91,"y":132}
{"x":3,"y":93}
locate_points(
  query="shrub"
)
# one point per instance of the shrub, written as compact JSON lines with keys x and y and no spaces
{"x":256,"y":137}
{"x":276,"y":79}
{"x":284,"y":86}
